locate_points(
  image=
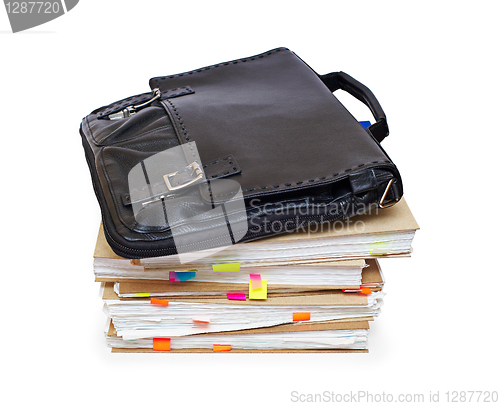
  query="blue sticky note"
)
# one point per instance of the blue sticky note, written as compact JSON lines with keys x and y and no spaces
{"x":185,"y":276}
{"x":365,"y":124}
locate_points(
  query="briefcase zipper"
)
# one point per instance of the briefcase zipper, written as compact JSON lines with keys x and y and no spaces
{"x":131,"y":110}
{"x":145,"y":253}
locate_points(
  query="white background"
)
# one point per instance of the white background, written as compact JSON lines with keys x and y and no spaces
{"x":433,"y":66}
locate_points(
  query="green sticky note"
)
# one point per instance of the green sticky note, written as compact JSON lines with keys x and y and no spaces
{"x":260,"y":293}
{"x":232,"y":267}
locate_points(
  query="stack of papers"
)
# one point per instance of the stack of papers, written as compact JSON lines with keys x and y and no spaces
{"x":299,"y":292}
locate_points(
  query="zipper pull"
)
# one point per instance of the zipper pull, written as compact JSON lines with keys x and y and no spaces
{"x":131,"y":110}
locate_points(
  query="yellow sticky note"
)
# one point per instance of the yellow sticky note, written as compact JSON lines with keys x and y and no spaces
{"x":260,"y":293}
{"x":143,"y":294}
{"x":379,"y":248}
{"x":232,"y":267}
{"x":188,"y":270}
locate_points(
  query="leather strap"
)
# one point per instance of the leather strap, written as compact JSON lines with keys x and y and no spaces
{"x":220,"y":168}
{"x":142,"y":98}
{"x":340,"y":80}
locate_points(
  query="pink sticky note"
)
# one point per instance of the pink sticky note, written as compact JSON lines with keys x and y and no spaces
{"x":172,"y":277}
{"x":256,"y":280}
{"x":236,"y":296}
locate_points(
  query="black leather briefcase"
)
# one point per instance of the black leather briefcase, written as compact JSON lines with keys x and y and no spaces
{"x":263,"y":147}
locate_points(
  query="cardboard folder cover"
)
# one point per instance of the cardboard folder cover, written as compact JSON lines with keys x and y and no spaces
{"x":332,"y":298}
{"x":395,"y":219}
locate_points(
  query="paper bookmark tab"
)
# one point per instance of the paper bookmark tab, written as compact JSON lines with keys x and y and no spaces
{"x":232,"y":267}
{"x":161,"y":344}
{"x":236,"y":296}
{"x":302,"y":316}
{"x":159,"y":302}
{"x":258,"y":293}
{"x":256,"y":280}
{"x":172,"y":277}
{"x":185,"y":275}
{"x":181,"y":276}
{"x":142,"y":294}
{"x":379,"y":248}
{"x":364,"y":291}
{"x":201,"y":319}
{"x":221,"y":347}
{"x":365,"y":124}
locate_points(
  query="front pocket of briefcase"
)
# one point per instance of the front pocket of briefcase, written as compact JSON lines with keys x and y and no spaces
{"x":149,"y":121}
{"x":122,"y":144}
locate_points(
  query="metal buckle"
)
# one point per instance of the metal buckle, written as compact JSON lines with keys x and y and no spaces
{"x":381,"y":203}
{"x":196,"y":169}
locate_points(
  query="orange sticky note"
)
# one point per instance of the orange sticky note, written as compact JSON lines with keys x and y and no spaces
{"x":159,"y":302}
{"x":305,"y":316}
{"x":221,"y":347}
{"x":161,"y":344}
{"x":364,"y":291}
{"x":201,"y":319}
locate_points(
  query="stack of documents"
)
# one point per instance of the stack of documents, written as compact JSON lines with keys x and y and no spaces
{"x":307,"y":291}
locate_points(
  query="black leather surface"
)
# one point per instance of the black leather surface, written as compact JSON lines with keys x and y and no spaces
{"x":276,"y":117}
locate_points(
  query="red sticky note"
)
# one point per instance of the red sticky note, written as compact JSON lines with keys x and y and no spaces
{"x":161,"y":344}
{"x":159,"y":302}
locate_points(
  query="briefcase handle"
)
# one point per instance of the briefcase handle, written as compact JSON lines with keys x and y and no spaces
{"x":340,"y":80}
